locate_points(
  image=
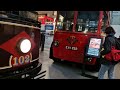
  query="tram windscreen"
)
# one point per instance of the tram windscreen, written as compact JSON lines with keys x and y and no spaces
{"x":87,"y":21}
{"x":65,"y":20}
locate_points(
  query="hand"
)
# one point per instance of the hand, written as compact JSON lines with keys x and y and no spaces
{"x":103,"y":56}
{"x":102,"y":49}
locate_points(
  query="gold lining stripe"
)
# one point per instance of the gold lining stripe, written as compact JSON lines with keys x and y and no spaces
{"x":34,"y":60}
{"x":10,"y":66}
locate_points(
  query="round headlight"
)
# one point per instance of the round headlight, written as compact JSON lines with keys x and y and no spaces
{"x":25,"y":45}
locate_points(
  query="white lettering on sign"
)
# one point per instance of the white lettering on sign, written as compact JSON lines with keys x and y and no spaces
{"x":71,"y":48}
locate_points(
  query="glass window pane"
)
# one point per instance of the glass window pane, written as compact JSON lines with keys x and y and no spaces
{"x":65,"y":20}
{"x":115,"y":17}
{"x":87,"y":21}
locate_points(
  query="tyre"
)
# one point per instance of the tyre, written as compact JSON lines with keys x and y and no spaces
{"x":51,"y":55}
{"x":95,"y":67}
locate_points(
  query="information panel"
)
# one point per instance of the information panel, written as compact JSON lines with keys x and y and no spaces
{"x":49,"y":27}
{"x":94,"y":47}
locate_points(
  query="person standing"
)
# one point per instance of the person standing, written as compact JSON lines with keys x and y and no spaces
{"x":107,"y":65}
{"x":42,"y":41}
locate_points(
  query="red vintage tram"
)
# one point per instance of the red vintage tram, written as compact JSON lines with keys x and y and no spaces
{"x":19,"y":44}
{"x":72,"y":34}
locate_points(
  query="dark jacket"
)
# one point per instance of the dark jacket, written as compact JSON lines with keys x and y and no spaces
{"x":109,"y":42}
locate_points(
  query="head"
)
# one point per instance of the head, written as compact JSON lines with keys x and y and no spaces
{"x":109,"y":30}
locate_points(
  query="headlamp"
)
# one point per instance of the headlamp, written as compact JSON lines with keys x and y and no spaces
{"x":24,"y":45}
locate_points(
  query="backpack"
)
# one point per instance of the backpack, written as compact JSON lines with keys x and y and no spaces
{"x":115,"y":52}
{"x":117,"y":43}
{"x":113,"y":55}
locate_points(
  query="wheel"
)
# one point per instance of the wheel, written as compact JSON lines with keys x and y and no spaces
{"x":51,"y":55}
{"x":95,"y":67}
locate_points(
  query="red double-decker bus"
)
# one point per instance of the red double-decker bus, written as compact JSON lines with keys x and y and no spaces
{"x":19,"y":44}
{"x":73,"y":32}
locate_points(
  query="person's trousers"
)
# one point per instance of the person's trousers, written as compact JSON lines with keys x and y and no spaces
{"x":103,"y":69}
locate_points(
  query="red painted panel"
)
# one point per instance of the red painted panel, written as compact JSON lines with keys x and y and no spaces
{"x":79,"y":41}
{"x":10,"y":45}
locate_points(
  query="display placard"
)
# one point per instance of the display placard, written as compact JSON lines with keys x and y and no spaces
{"x":94,"y":47}
{"x":49,"y":27}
